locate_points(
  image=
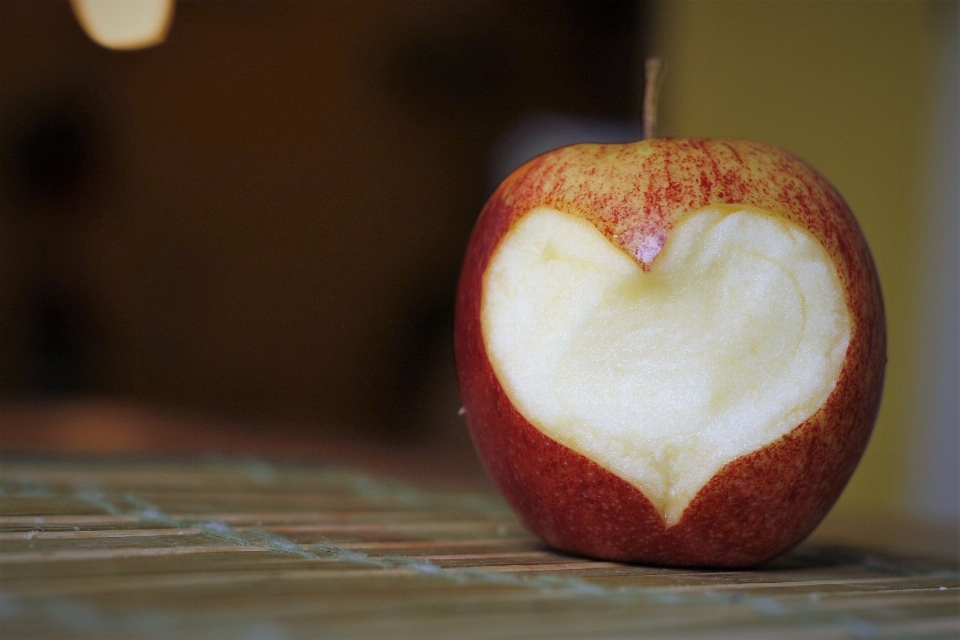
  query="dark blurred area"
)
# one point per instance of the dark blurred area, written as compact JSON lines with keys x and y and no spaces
{"x":263,"y":217}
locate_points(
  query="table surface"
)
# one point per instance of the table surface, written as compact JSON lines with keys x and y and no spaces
{"x":221,"y":548}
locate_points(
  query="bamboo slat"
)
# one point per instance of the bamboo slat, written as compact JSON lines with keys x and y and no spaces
{"x":247,"y":550}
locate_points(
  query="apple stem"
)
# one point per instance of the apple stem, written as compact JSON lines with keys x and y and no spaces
{"x":652,"y":72}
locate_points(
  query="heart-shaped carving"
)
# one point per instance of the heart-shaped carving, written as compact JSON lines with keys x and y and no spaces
{"x":734,"y":337}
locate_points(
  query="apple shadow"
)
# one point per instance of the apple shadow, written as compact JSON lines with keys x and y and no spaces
{"x":812,"y":557}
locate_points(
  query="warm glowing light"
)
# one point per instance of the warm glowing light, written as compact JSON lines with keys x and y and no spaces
{"x":125,"y":24}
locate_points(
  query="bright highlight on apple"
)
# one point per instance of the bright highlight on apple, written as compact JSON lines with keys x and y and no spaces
{"x":670,"y":351}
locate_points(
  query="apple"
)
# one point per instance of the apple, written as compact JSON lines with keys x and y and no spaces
{"x":669,"y":351}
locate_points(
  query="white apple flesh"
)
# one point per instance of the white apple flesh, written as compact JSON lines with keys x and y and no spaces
{"x":735,"y":336}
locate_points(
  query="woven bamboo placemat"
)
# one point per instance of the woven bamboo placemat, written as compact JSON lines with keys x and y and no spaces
{"x":222,"y":548}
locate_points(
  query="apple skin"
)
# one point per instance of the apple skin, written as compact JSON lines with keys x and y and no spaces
{"x":756,"y":506}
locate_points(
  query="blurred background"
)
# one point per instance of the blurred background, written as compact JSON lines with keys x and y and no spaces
{"x":246,"y":238}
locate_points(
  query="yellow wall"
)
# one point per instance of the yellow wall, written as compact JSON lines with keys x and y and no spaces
{"x":845,"y":85}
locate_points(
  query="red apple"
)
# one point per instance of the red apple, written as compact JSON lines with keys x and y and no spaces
{"x":670,"y":351}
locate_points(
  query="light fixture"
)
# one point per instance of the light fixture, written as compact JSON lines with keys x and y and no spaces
{"x":125,"y":24}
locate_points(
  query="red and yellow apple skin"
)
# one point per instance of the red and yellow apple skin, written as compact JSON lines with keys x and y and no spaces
{"x":756,"y":506}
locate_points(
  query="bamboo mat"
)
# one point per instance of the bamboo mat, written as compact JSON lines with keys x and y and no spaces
{"x":228,"y":549}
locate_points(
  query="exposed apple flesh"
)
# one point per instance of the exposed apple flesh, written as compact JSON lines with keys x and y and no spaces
{"x":693,"y":216}
{"x":735,"y":335}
